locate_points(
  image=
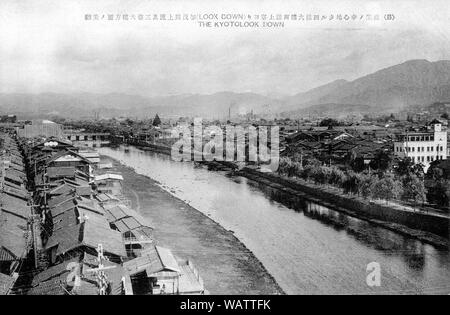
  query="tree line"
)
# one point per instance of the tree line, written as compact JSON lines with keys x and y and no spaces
{"x":405,"y":183}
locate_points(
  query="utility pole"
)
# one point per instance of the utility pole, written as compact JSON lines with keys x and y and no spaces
{"x":102,"y":279}
{"x":35,"y":220}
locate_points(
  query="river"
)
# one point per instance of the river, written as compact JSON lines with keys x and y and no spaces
{"x":307,"y":248}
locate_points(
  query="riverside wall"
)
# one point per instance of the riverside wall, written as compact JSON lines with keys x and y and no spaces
{"x":436,"y":224}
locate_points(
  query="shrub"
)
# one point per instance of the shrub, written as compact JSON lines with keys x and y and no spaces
{"x":337,"y":177}
{"x":351,"y":183}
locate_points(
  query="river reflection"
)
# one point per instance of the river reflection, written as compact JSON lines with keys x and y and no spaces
{"x":390,"y":242}
{"x":308,"y":248}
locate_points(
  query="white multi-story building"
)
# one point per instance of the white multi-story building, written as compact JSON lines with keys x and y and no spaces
{"x":423,"y":147}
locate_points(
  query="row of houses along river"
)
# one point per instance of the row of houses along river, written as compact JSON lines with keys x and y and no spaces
{"x":66,"y":228}
{"x":307,"y":248}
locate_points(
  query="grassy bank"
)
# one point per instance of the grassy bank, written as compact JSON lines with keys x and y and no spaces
{"x":422,"y":225}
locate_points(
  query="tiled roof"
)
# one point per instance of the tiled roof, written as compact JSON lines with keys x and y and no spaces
{"x":53,"y":280}
{"x":15,"y":205}
{"x":13,"y":234}
{"x":108,"y":176}
{"x":153,"y":260}
{"x":6,"y":283}
{"x":54,"y":172}
{"x":88,"y":234}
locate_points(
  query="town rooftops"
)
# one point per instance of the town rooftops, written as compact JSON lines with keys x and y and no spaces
{"x":92,"y":156}
{"x":87,"y":234}
{"x":75,"y":216}
{"x":435,"y":122}
{"x":53,"y":281}
{"x":67,"y":156}
{"x":6,"y":283}
{"x":57,"y":172}
{"x":52,"y":142}
{"x":18,"y":174}
{"x":18,"y":193}
{"x":83,"y":190}
{"x":128,"y":224}
{"x":15,"y":205}
{"x":108,"y":176}
{"x":13,"y":178}
{"x":105,"y":165}
{"x":16,"y":167}
{"x":72,"y":202}
{"x":105,"y":197}
{"x":317,"y":135}
{"x":118,"y":212}
{"x":167,"y":259}
{"x":114,"y":272}
{"x":153,"y":260}
{"x":13,"y":231}
{"x":62,"y":189}
{"x":55,"y":273}
{"x":77,"y":181}
{"x":310,"y":145}
{"x":60,"y":199}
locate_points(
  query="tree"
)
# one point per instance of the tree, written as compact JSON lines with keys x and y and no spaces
{"x":321,"y":174}
{"x":351,"y":183}
{"x":308,"y":171}
{"x":366,"y":185}
{"x":445,"y":116}
{"x":414,"y":189}
{"x":329,"y":122}
{"x":156,"y":121}
{"x":358,"y":164}
{"x":313,"y":162}
{"x":283,"y":166}
{"x":387,"y":188}
{"x":382,"y":161}
{"x":440,"y":193}
{"x":406,"y":167}
{"x":298,"y":156}
{"x":337,"y":177}
{"x":288,"y":167}
{"x":435,"y":173}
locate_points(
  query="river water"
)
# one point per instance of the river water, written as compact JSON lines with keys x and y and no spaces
{"x":307,"y":248}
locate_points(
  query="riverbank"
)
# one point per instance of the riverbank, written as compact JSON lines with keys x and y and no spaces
{"x":373,"y":213}
{"x":306,"y":247}
{"x":431,"y":229}
{"x":226,"y":265}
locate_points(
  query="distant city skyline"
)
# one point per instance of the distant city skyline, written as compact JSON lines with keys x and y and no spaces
{"x":47,"y":46}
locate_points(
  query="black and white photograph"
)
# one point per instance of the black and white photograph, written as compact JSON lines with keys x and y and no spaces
{"x":226,"y":154}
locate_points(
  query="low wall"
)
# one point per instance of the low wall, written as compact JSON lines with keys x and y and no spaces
{"x":438,"y":225}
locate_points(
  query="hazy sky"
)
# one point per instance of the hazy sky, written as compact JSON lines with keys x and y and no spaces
{"x":48,"y":46}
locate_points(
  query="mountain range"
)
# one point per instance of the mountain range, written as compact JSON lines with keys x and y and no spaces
{"x":396,"y":88}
